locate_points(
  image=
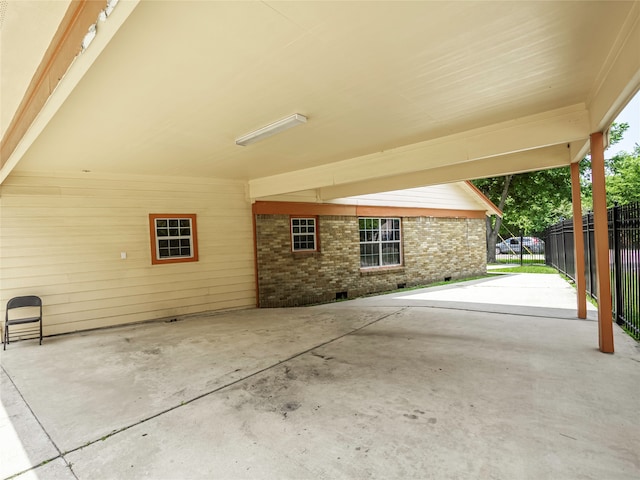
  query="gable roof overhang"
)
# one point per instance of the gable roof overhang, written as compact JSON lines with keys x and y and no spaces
{"x":398,"y":95}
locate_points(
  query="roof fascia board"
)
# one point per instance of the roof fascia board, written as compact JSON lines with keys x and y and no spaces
{"x":481,"y":197}
{"x":528,"y":133}
{"x":549,"y":157}
{"x":67,"y":74}
{"x":65,"y":45}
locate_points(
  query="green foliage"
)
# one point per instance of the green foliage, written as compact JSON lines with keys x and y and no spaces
{"x":527,"y":269}
{"x":535,"y":200}
{"x":623,"y":178}
{"x":491,"y":187}
{"x":526,"y":260}
{"x":616,"y":133}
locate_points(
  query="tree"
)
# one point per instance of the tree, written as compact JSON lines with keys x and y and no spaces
{"x":529,"y":202}
{"x":616,"y":133}
{"x":623,"y":178}
{"x":532,"y":201}
{"x":497,"y":190}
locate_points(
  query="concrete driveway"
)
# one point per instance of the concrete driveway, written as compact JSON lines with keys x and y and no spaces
{"x":487,"y":379}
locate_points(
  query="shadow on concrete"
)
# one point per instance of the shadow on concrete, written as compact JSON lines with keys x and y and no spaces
{"x":424,"y":383}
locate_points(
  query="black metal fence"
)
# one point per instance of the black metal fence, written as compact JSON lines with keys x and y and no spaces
{"x":520,"y":250}
{"x":624,"y":260}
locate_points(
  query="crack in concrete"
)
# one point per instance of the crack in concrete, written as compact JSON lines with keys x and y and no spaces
{"x":185,"y":402}
{"x":476,"y":309}
{"x":44,"y":462}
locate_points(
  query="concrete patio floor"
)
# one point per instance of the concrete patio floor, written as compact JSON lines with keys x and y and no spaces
{"x":491,"y":379}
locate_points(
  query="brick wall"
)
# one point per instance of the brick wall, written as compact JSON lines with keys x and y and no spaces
{"x":433,"y":249}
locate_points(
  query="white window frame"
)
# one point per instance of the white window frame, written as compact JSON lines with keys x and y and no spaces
{"x":378,"y":237}
{"x":299,"y":233}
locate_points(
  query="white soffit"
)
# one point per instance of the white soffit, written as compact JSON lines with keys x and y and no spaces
{"x":26,"y":29}
{"x":179,"y":82}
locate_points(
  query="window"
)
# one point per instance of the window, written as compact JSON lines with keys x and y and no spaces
{"x":379,"y":242}
{"x":304,"y":234}
{"x":173,"y":238}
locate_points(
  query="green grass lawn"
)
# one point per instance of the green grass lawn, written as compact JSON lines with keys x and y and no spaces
{"x":630,"y":308}
{"x":535,"y":260}
{"x":526,"y":269}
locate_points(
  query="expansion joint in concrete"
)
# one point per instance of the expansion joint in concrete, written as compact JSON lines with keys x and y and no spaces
{"x":44,"y":462}
{"x":198,"y":397}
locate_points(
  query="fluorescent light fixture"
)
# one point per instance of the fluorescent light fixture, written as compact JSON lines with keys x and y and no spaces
{"x":271,"y":129}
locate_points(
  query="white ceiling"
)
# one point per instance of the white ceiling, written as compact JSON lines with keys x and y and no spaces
{"x":179,"y":81}
{"x":22,"y":46}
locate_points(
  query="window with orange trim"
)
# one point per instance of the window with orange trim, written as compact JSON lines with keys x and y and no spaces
{"x":173,"y":238}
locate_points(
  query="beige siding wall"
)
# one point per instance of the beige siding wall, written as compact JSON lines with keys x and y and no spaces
{"x":449,"y":196}
{"x":61,"y":238}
